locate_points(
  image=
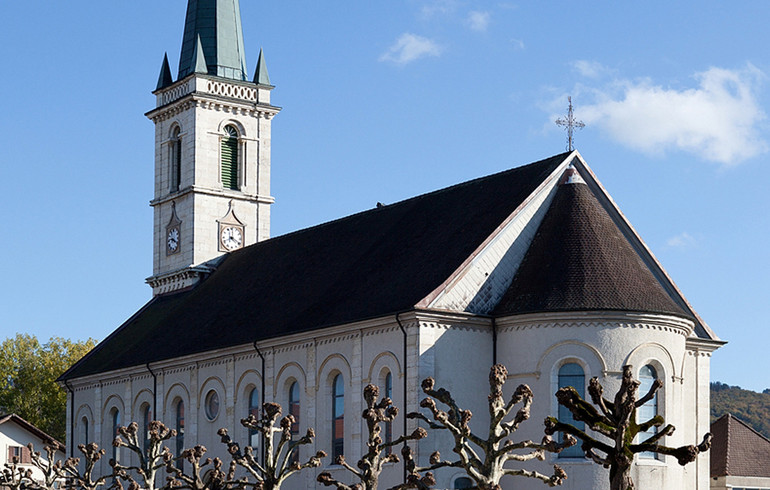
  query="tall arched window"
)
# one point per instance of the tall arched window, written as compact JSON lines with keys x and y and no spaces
{"x":571,"y":374}
{"x":338,"y":417}
{"x":115,"y":426}
{"x":463,"y":482}
{"x":176,"y":160}
{"x":294,"y":411}
{"x":179,"y":432}
{"x":254,"y":410}
{"x":85,"y":435}
{"x":647,"y":376}
{"x":146,"y":411}
{"x":230,"y":158}
{"x":388,"y":393}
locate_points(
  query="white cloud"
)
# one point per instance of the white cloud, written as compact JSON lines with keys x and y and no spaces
{"x":409,"y":47}
{"x":478,"y":21}
{"x":683,"y":240}
{"x":441,"y":7}
{"x":717,"y":121}
{"x":590,"y":69}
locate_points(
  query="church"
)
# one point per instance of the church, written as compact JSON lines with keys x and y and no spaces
{"x":535,"y":268}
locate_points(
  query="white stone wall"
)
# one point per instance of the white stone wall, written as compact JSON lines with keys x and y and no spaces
{"x":457,"y":351}
{"x":197,"y":109}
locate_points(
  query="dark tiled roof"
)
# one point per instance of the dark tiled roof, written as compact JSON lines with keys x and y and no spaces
{"x":580,"y":260}
{"x":737,"y":449}
{"x":367,"y":265}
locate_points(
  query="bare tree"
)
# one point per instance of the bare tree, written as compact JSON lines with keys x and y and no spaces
{"x":377,"y":453}
{"x":151,"y":453}
{"x":15,"y":477}
{"x":484,"y":459}
{"x":413,"y":478}
{"x":49,"y":466}
{"x":206,"y":475}
{"x":617,"y":421}
{"x":278,"y":464}
{"x":70,"y":471}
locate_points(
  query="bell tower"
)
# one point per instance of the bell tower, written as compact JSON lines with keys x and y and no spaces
{"x":212,"y":149}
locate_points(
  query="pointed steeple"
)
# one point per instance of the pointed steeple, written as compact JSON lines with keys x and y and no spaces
{"x":164,"y":79}
{"x":260,"y":75}
{"x":199,"y":56}
{"x":217,"y":23}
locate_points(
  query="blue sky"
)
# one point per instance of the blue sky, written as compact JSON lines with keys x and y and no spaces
{"x":383,"y":101}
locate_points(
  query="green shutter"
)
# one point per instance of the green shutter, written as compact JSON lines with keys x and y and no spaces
{"x":230,"y":159}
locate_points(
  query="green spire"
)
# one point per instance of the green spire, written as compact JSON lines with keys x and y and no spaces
{"x":217,"y":23}
{"x":260,"y":75}
{"x":164,"y":79}
{"x":200,"y":58}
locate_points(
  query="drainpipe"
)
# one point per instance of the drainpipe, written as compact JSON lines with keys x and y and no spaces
{"x":154,"y":393}
{"x":262,"y":388}
{"x":494,"y":341}
{"x":403,"y":330}
{"x":72,"y":418}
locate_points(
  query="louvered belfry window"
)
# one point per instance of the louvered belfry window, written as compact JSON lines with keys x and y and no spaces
{"x":230,"y":158}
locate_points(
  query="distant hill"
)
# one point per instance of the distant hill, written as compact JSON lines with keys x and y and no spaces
{"x":749,"y":406}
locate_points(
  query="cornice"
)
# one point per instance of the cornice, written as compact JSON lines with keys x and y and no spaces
{"x":178,"y":279}
{"x":706,"y":346}
{"x":598,"y":319}
{"x":209,"y":191}
{"x":214,"y":103}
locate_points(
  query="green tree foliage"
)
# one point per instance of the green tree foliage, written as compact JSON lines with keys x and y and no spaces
{"x":28,"y":372}
{"x":749,"y":406}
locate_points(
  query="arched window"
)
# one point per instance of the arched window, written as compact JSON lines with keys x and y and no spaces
{"x":294,"y":411}
{"x":179,"y":432}
{"x":85,"y":435}
{"x":338,"y":417}
{"x":571,"y":374}
{"x":146,"y":411}
{"x":463,"y":482}
{"x":254,"y":410}
{"x":115,"y":414}
{"x":176,"y":160}
{"x":647,"y":376}
{"x":230,"y":158}
{"x":388,"y":393}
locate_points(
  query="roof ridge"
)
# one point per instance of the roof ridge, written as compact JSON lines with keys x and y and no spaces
{"x":410,"y":199}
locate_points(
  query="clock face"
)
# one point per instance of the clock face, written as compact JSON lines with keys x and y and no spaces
{"x":172,"y":240}
{"x":231,"y":237}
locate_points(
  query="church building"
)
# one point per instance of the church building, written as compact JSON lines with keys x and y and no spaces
{"x":535,"y":268}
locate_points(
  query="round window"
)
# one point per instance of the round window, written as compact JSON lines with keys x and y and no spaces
{"x":212,"y":405}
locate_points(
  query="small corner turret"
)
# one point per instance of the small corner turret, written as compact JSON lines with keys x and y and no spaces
{"x":212,"y":149}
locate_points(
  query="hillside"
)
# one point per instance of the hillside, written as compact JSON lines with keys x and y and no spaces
{"x":749,"y":406}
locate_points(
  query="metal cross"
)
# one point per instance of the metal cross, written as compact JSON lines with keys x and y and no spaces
{"x":570,"y":123}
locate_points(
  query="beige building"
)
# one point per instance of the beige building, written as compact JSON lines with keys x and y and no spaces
{"x":534,"y":268}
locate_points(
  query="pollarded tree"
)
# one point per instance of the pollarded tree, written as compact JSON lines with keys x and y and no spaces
{"x":617,"y":421}
{"x":151,"y":454}
{"x":49,"y":466}
{"x":204,"y":474}
{"x":377,"y":450}
{"x":70,"y":469}
{"x":484,"y":459}
{"x":278,"y":464}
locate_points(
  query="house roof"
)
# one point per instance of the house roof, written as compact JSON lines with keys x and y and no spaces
{"x":28,"y":427}
{"x":737,"y":449}
{"x":580,"y":260}
{"x":367,"y":265}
